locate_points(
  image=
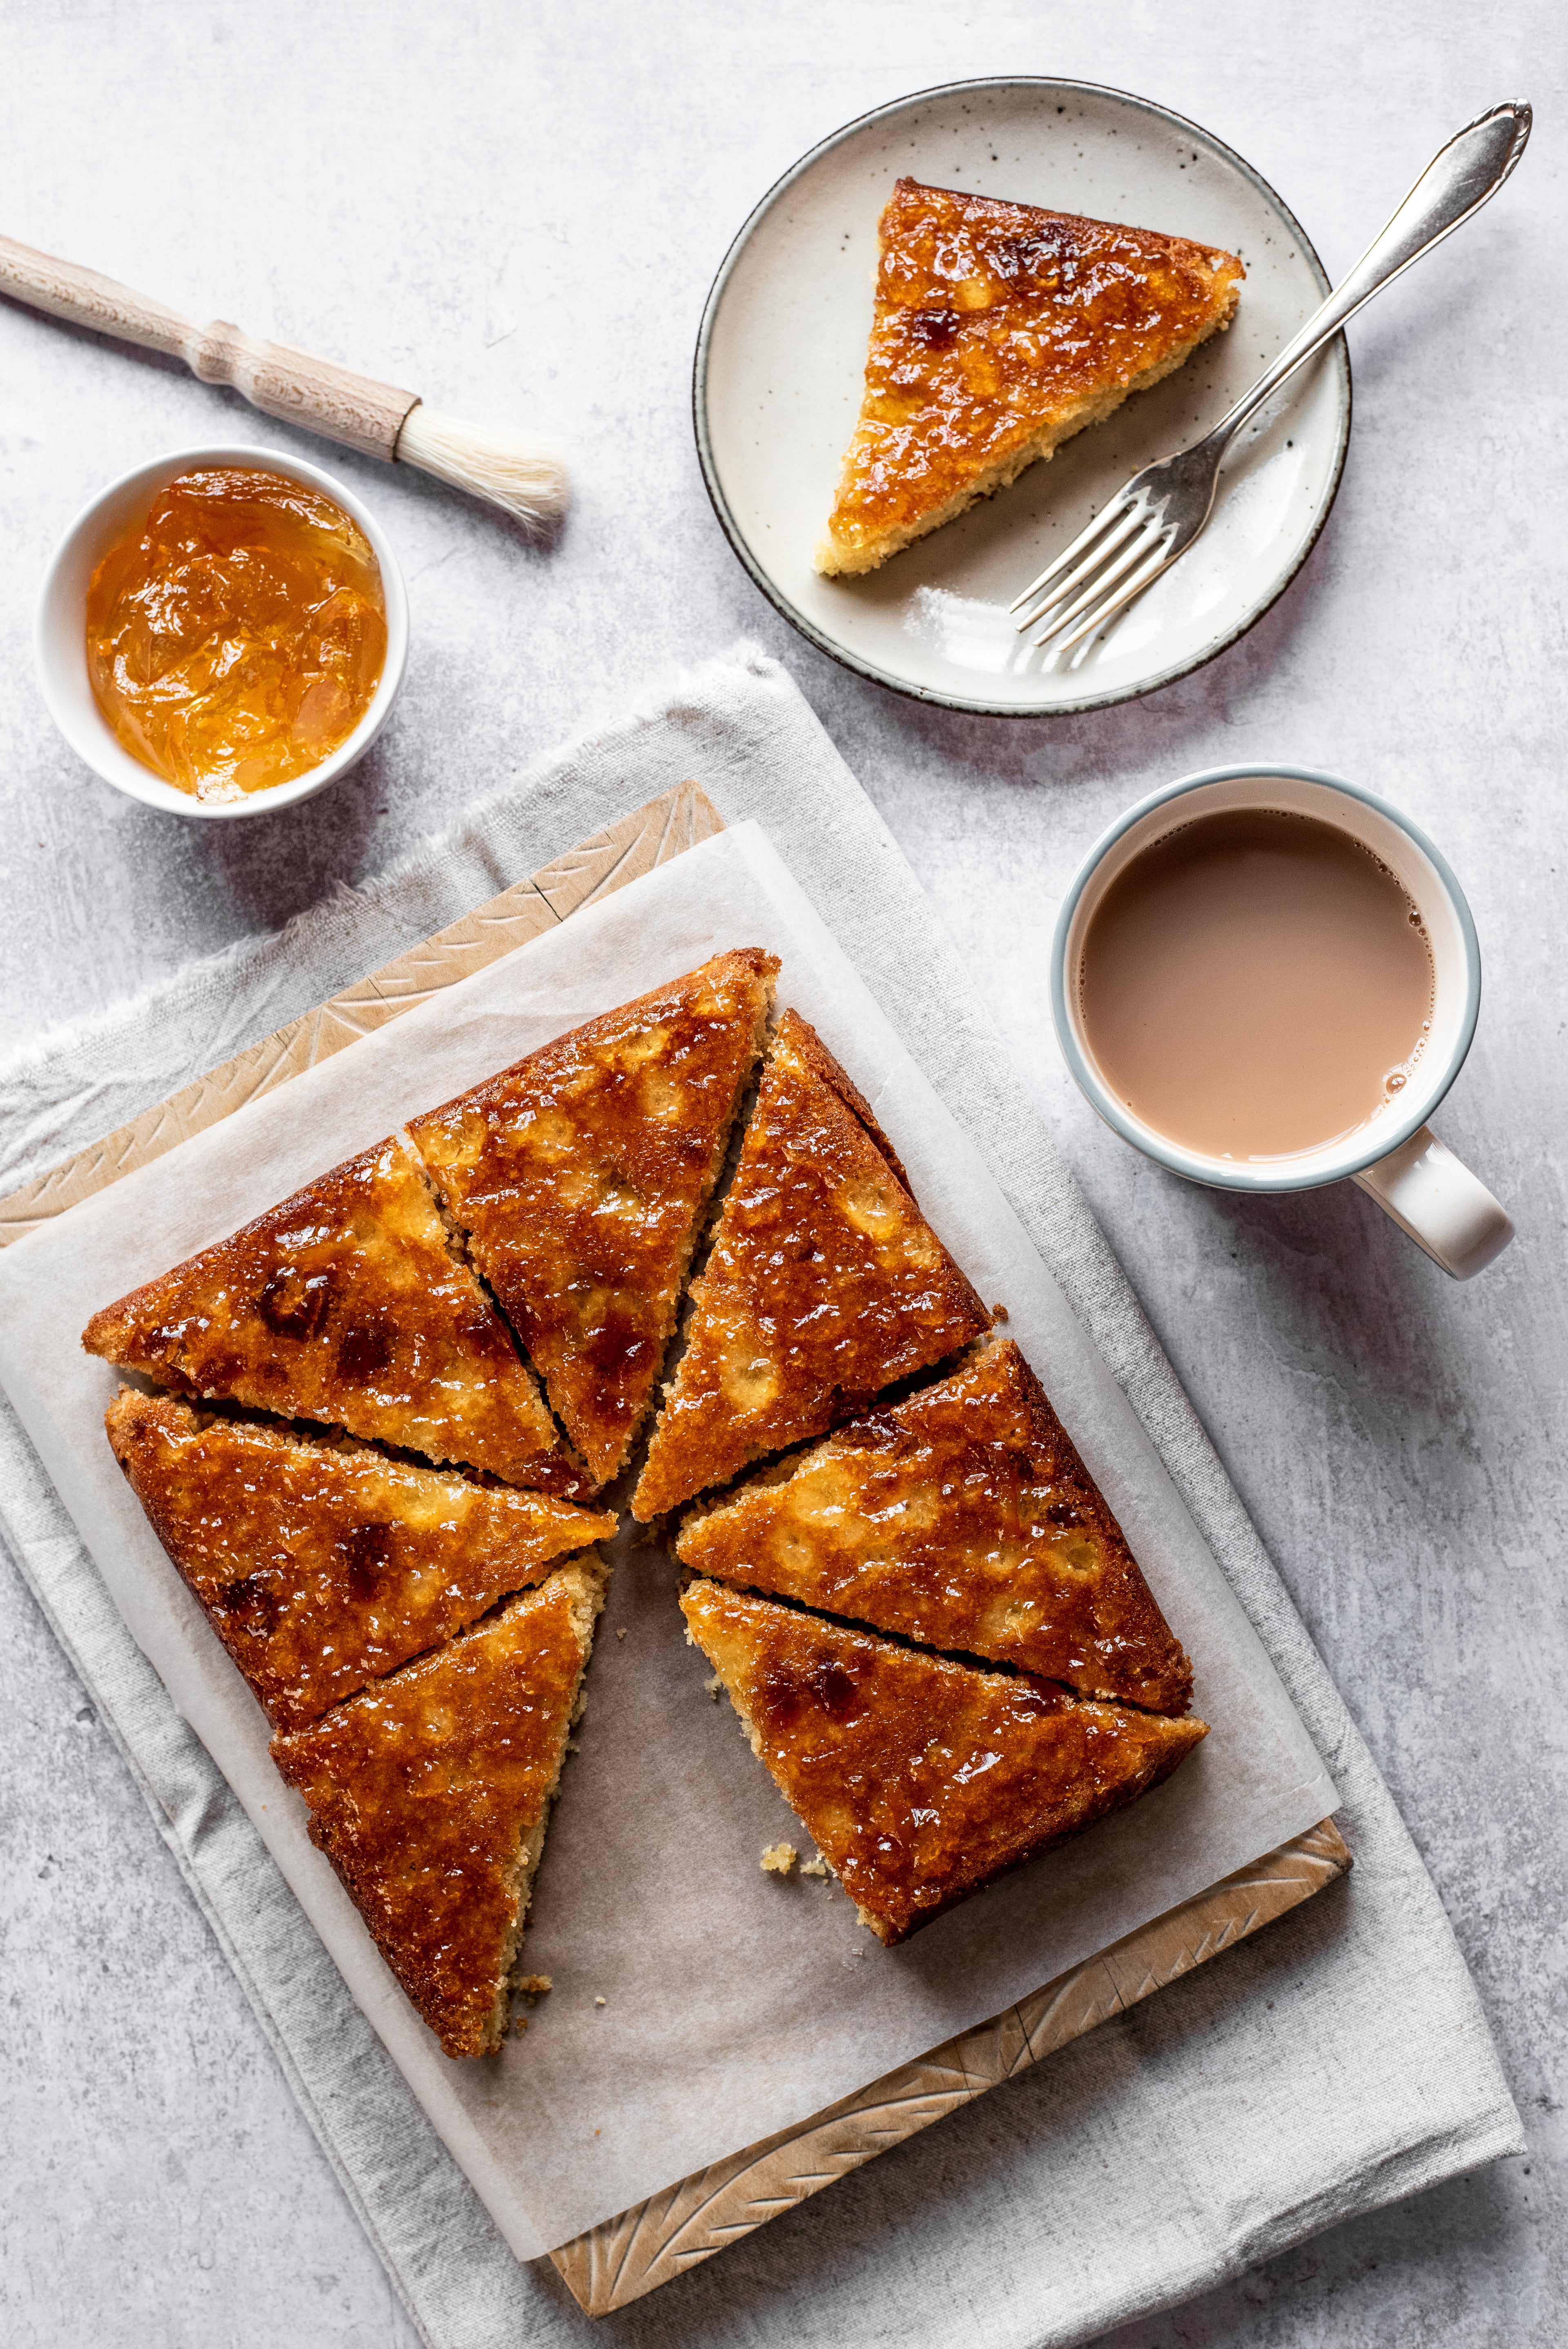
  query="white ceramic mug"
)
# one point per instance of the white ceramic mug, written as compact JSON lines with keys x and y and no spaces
{"x":60,"y":633}
{"x":1395,"y":1158}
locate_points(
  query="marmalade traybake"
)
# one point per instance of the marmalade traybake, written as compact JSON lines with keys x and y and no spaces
{"x":429,"y":1792}
{"x":921,"y":1779}
{"x":999,"y":330}
{"x":824,"y":1284}
{"x":347,"y":1304}
{"x":581,"y":1176}
{"x":380,"y":1606}
{"x":322,"y":1567}
{"x":962,"y":1518}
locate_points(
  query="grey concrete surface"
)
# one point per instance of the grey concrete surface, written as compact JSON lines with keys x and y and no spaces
{"x":517,"y":210}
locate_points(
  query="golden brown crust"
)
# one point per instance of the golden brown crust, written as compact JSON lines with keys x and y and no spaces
{"x":802,"y":1040}
{"x":921,"y":1779}
{"x":428,"y":1793}
{"x":999,"y":330}
{"x":824,"y":1285}
{"x":581,"y":1176}
{"x":322,"y":1568}
{"x":962,"y":1518}
{"x":345,"y":1304}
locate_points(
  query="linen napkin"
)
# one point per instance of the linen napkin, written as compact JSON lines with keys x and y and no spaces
{"x":1334,"y":2062}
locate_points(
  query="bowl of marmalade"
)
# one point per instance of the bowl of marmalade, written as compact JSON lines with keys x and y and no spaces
{"x":222,"y":632}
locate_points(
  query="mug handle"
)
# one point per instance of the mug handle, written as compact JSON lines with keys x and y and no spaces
{"x":1439,"y":1203}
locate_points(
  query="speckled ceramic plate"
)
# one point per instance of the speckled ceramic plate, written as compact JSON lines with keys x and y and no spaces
{"x":781,"y":356}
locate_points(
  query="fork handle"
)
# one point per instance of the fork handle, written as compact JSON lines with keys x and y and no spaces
{"x":1456,"y":181}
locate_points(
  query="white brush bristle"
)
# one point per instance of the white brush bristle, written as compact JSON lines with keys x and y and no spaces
{"x":520,"y":472}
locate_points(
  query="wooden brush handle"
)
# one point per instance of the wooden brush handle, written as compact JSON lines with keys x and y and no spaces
{"x":311,"y":392}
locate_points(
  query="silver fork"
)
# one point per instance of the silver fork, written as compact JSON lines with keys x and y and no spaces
{"x":1153,"y":522}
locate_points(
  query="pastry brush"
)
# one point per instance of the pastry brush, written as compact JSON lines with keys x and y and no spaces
{"x":521,"y":474}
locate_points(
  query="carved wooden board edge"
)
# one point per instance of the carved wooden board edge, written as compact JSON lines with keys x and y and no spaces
{"x":618,"y":2261}
{"x":633,"y":845}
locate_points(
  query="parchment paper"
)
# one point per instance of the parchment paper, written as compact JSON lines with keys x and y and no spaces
{"x":735,"y":2003}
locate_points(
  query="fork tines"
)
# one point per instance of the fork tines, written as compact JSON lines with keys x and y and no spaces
{"x":1131,"y":530}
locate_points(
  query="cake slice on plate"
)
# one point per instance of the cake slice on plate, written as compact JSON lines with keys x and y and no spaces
{"x":962,"y":1518}
{"x":581,"y":1178}
{"x":919,"y":1778}
{"x":347,"y":1304}
{"x":322,"y":1567}
{"x":1000,"y":330}
{"x":824,"y":1284}
{"x":429,"y":1792}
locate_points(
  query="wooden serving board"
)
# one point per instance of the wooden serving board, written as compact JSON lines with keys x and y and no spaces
{"x":672,"y":2231}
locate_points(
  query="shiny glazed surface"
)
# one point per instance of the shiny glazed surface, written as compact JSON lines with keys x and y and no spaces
{"x":236,"y":635}
{"x":921,"y":1779}
{"x":581,"y":1177}
{"x":964,"y":1518}
{"x":321,"y":1569}
{"x":345,"y":1304}
{"x":423,"y":1791}
{"x":824,"y":1284}
{"x":996,"y":322}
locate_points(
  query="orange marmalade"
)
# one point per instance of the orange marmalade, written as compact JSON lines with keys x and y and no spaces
{"x":236,"y":634}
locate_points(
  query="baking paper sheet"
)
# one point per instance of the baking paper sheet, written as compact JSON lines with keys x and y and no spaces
{"x":735,"y":2003}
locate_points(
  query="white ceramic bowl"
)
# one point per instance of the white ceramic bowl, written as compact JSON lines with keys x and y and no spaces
{"x":59,"y":636}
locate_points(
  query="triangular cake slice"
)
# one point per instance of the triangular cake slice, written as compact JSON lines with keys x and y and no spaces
{"x":962,"y":1518}
{"x":1000,"y":330}
{"x":921,"y":1779}
{"x":824,"y":1284}
{"x":322,"y":1567}
{"x":429,"y":1792}
{"x":581,"y":1178}
{"x":347,"y":1304}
